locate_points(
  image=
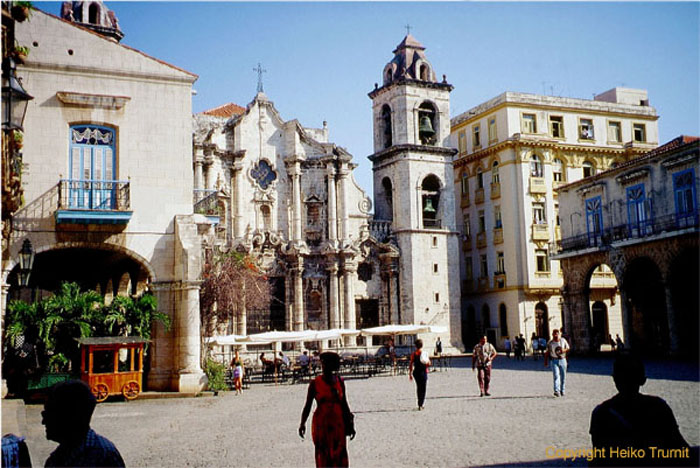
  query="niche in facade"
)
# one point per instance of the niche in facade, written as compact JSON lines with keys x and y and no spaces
{"x":364,"y":271}
{"x":430,"y":197}
{"x":386,"y":126}
{"x":427,"y":123}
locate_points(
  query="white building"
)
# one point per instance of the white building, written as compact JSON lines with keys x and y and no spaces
{"x":285,"y":194}
{"x":514,"y":151}
{"x":108,"y":181}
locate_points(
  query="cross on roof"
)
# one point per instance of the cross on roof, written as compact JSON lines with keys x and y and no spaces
{"x":260,"y":71}
{"x":408,"y":29}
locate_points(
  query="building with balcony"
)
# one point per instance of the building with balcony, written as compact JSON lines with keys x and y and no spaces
{"x":640,"y":221}
{"x":514,"y":151}
{"x":107,"y":179}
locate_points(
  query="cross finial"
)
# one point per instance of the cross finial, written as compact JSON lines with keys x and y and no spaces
{"x":260,"y":71}
{"x":408,"y":29}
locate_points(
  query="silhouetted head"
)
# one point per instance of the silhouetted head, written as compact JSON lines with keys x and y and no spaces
{"x":330,"y":362}
{"x":555,"y":334}
{"x":68,"y":411}
{"x":419,"y":343}
{"x":628,"y":374}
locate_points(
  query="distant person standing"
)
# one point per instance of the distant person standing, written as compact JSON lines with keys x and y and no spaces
{"x":506,"y":345}
{"x":542,"y":345}
{"x":482,"y":357}
{"x":438,"y":347}
{"x":633,"y":421}
{"x":237,"y":366}
{"x":418,"y":371}
{"x":535,"y":344}
{"x":619,"y":343}
{"x":556,"y":352}
{"x":521,"y":345}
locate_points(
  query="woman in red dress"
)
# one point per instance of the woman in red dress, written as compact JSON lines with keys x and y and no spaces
{"x":327,"y":426}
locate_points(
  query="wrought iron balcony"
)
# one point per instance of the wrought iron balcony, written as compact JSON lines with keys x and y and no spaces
{"x":647,"y":229}
{"x":84,"y":201}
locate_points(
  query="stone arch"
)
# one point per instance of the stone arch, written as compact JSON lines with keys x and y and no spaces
{"x":386,"y":207}
{"x":603,"y":308}
{"x":645,"y":306}
{"x":430,"y":191}
{"x":94,"y":13}
{"x":427,"y":112}
{"x":388,"y":74}
{"x":542,"y":319}
{"x":386,"y":126}
{"x":589,"y":167}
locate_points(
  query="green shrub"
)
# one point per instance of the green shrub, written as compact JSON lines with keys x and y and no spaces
{"x":216,"y":373}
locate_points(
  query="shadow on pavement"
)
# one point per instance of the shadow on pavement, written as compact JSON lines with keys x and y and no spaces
{"x":475,"y":397}
{"x":538,"y":463}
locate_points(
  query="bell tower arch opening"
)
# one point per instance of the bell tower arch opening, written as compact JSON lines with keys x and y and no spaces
{"x":430,"y":197}
{"x":427,"y":123}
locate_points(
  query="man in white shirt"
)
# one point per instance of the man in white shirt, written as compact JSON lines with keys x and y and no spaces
{"x":556,"y":352}
{"x":483,"y":356}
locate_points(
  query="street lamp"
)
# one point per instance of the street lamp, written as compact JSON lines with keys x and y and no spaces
{"x":26,"y":261}
{"x":14,"y":99}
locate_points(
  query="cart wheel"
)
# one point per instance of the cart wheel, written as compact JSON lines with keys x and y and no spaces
{"x":131,"y":389}
{"x":101,"y":392}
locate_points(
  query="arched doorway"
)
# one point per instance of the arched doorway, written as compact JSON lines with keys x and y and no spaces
{"x":542,"y":320}
{"x":599,"y":322}
{"x":646,"y":306}
{"x":683,"y":282}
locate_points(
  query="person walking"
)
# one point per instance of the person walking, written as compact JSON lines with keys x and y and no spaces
{"x":328,"y":426}
{"x":418,"y":371}
{"x":482,"y":357}
{"x":556,"y":352}
{"x":237,"y":366}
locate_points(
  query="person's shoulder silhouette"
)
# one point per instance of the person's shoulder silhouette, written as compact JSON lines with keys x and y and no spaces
{"x":629,"y":424}
{"x":67,"y":414}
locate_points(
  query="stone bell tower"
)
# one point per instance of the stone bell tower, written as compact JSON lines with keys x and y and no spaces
{"x":93,"y":15}
{"x":414,"y":185}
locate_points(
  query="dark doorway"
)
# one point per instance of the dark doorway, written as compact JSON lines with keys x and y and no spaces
{"x":368,"y":312}
{"x":646,"y":307}
{"x":542,"y":320}
{"x":469,"y":327}
{"x":600,"y":323}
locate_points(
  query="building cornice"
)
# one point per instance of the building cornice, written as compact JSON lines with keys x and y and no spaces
{"x":408,"y":82}
{"x":384,"y":154}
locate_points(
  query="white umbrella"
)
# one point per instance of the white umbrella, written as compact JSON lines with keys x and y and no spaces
{"x":281,"y":337}
{"x":410,"y":329}
{"x":226,"y":340}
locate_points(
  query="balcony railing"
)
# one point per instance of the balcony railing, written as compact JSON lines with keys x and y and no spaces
{"x":86,"y":201}
{"x":498,"y":236}
{"x":206,"y":202}
{"x":538,"y":185}
{"x":624,"y":232}
{"x":464,"y":202}
{"x":479,"y":195}
{"x":481,"y":239}
{"x":540,"y":232}
{"x":380,"y":229}
{"x":495,"y":190}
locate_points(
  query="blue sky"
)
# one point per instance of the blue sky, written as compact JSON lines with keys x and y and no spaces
{"x":323,"y":58}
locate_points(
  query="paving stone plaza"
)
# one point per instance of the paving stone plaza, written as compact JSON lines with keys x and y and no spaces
{"x":521,"y":424}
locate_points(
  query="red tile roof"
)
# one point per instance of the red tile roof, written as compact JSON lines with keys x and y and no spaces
{"x":673,"y":144}
{"x":227,"y":110}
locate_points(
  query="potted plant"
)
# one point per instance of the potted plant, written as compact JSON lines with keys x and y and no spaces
{"x":20,"y":11}
{"x":20,"y":53}
{"x":18,"y":139}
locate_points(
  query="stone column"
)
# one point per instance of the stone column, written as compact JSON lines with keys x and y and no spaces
{"x":333,"y":294}
{"x":342,"y":195}
{"x":237,"y":201}
{"x":198,"y":175}
{"x":332,"y":205}
{"x":294,"y":171}
{"x":298,"y":295}
{"x":188,"y":330}
{"x":350,"y":273}
{"x":289,"y":300}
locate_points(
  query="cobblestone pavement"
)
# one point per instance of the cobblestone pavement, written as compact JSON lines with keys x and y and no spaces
{"x":514,"y":427}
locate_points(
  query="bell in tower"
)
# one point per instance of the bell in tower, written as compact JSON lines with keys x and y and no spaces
{"x":93,"y":15}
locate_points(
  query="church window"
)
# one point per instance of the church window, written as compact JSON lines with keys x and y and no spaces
{"x":389,"y":198}
{"x":92,"y":161}
{"x":94,"y":14}
{"x":424,"y":73}
{"x":263,"y":174}
{"x":430,"y":189}
{"x":386,"y":126}
{"x":427,"y":123}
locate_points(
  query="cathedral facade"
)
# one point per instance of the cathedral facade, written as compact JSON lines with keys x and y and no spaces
{"x":286,"y":195}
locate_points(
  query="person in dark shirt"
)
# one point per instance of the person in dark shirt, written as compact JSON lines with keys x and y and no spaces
{"x":633,"y":429}
{"x":67,"y":414}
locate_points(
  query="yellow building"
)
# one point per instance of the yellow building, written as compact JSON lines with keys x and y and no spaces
{"x":514,"y":151}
